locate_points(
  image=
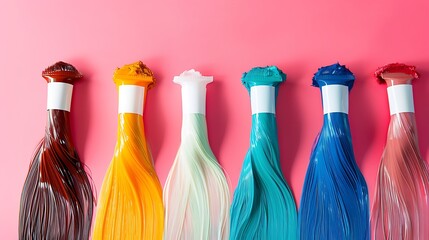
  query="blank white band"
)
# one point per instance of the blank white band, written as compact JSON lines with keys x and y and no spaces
{"x":263,"y":99}
{"x":131,"y":99}
{"x":59,"y":96}
{"x":400,"y":98}
{"x":335,"y":99}
{"x":194,"y":98}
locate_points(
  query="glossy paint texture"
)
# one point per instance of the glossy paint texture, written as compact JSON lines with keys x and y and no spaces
{"x":220,"y":38}
{"x":263,"y":206}
{"x":57,"y":200}
{"x":196,"y":193}
{"x":334,"y":201}
{"x":130,"y":204}
{"x":401,"y":206}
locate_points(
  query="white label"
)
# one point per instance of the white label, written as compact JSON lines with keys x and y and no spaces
{"x":263,"y":99}
{"x":59,"y":96}
{"x":335,"y":99}
{"x":131,"y":99}
{"x":194,"y":98}
{"x":400,"y":98}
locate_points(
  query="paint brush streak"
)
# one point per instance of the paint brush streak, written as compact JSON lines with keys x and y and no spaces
{"x":57,"y":200}
{"x":263,"y":206}
{"x":334,"y":203}
{"x":401,"y":208}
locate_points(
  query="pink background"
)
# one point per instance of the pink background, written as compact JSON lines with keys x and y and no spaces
{"x":220,"y":38}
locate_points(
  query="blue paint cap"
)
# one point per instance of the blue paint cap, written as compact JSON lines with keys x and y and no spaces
{"x":333,"y":74}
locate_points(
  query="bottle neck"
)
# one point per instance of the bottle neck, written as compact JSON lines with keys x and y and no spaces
{"x":131,"y":99}
{"x":59,"y":96}
{"x":130,"y":112}
{"x":194,"y":127}
{"x":400,"y":98}
{"x":58,"y":107}
{"x":193,"y":103}
{"x":58,"y":125}
{"x":263,"y":99}
{"x":335,"y":99}
{"x":193,"y":98}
